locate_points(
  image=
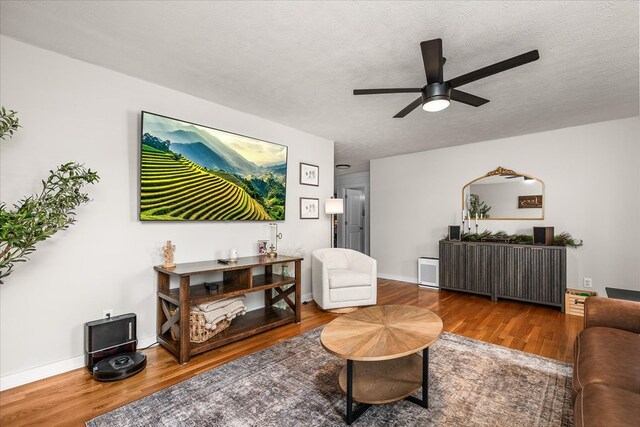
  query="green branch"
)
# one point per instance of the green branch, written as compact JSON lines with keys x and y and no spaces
{"x":38,"y":217}
{"x":9,"y":123}
{"x":562,"y":239}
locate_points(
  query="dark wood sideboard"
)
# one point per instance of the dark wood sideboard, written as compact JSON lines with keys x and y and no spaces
{"x":529,"y":273}
{"x":237,"y":279}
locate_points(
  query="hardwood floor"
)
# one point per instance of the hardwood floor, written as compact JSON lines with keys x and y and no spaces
{"x":72,"y":398}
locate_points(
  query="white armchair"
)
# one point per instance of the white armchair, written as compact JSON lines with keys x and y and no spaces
{"x":343,"y":278}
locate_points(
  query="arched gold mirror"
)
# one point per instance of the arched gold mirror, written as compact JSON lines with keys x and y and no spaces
{"x":504,"y":194}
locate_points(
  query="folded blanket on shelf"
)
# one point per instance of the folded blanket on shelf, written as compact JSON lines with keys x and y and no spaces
{"x":237,"y":312}
{"x":214,"y":305}
{"x":213,"y":316}
{"x":212,"y":324}
{"x":229,"y":316}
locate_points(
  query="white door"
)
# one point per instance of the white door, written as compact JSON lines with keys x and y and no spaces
{"x":354,"y":219}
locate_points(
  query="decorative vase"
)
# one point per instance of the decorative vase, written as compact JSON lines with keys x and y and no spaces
{"x":285,"y":270}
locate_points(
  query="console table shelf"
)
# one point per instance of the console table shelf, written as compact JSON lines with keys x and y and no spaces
{"x":238,"y":279}
{"x":252,"y":323}
{"x":199,"y":294}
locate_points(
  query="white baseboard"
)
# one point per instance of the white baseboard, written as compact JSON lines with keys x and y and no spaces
{"x":62,"y":366}
{"x":51,"y":369}
{"x":66,"y":365}
{"x":399,"y":278}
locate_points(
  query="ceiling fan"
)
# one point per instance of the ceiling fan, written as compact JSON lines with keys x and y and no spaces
{"x":437,"y":93}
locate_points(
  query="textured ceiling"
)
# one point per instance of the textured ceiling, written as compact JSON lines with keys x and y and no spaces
{"x":297,"y":63}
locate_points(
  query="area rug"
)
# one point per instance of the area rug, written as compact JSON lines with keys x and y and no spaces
{"x":295,"y":383}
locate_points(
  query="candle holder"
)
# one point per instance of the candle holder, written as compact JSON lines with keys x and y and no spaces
{"x":273,"y":247}
{"x":463,"y":223}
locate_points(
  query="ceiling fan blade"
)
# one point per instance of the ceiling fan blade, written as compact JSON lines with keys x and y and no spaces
{"x":496,"y":68}
{"x":409,"y":108}
{"x":467,"y":98}
{"x":376,"y":91}
{"x":432,"y":59}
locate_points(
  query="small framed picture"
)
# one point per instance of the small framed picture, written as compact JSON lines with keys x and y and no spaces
{"x":309,"y":208}
{"x":529,"y":202}
{"x":309,"y":174}
{"x":262,"y":247}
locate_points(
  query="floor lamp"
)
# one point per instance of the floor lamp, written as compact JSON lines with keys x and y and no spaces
{"x":333,"y":207}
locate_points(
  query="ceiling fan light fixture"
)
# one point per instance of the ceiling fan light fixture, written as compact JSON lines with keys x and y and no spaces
{"x":434,"y":105}
{"x":436,"y":97}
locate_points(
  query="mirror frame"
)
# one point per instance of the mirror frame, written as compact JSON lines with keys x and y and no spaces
{"x":504,"y":171}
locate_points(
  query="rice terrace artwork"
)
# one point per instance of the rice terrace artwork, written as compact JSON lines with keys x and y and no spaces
{"x":192,"y":172}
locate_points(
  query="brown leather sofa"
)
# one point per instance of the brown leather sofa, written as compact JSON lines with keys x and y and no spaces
{"x":606,"y":370}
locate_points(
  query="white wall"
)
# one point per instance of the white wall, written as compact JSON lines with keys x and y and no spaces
{"x":71,"y":110}
{"x":592,"y":190}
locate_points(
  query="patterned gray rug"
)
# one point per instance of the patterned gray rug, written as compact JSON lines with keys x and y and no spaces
{"x":295,"y":383}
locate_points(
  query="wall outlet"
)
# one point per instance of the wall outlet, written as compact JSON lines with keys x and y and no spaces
{"x":587,"y":282}
{"x":107,"y":313}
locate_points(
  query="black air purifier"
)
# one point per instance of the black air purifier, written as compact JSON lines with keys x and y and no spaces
{"x":110,"y":348}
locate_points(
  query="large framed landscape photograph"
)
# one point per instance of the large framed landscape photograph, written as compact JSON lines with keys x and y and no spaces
{"x":190,"y":172}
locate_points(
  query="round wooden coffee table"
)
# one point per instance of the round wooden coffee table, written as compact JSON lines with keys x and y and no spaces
{"x":380,"y":344}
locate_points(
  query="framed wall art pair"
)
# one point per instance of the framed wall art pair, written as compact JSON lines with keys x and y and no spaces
{"x":309,"y":206}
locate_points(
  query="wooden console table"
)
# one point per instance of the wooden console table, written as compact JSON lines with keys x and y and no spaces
{"x":528,"y":273}
{"x":237,"y":279}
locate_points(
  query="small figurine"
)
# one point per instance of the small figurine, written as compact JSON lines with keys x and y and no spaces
{"x":168,"y":255}
{"x":272,"y":252}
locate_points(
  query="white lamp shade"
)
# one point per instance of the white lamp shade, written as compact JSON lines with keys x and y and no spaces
{"x":333,"y":206}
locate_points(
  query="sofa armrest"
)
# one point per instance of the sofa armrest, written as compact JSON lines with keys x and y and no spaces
{"x":612,"y":313}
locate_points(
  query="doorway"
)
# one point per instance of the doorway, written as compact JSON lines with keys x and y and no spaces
{"x":354,"y":219}
{"x":353,"y":225}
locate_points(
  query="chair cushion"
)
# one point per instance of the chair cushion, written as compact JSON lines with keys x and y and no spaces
{"x":607,"y":356}
{"x":336,"y":259}
{"x":347,"y":279}
{"x":600,"y":405}
{"x":355,"y":295}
